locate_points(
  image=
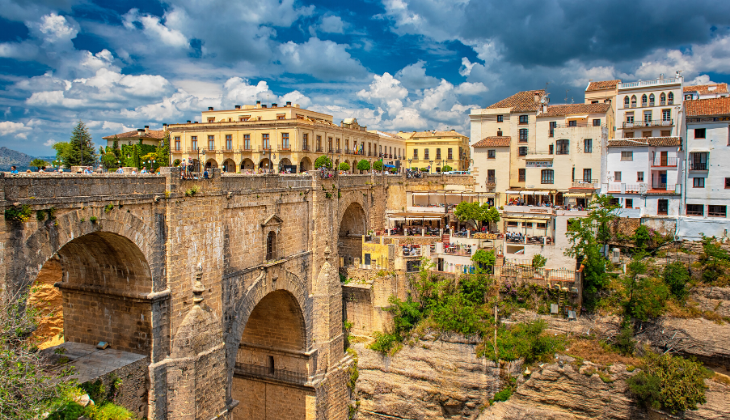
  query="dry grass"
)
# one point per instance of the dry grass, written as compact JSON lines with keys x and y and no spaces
{"x":722,"y":379}
{"x":600,"y":354}
{"x":691,"y":310}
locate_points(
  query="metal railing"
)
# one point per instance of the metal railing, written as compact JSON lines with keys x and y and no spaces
{"x":648,"y":123}
{"x":648,"y":83}
{"x":585,"y":183}
{"x":662,"y":186}
{"x":264,"y":148}
{"x":492,"y":182}
{"x":662,"y":161}
{"x":305,"y":148}
{"x":697,"y":166}
{"x":285,"y":147}
{"x":265,"y":372}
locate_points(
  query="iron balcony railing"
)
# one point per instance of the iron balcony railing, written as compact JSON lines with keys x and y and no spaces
{"x":305,"y":148}
{"x":664,"y":161}
{"x":285,"y":147}
{"x":319,"y":149}
{"x":585,"y":183}
{"x":491,"y":181}
{"x":265,"y":372}
{"x":265,"y":148}
{"x":648,"y":123}
{"x":698,"y":166}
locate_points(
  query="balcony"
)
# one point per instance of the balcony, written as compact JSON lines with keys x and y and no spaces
{"x":662,"y":186}
{"x":645,"y":83}
{"x":648,"y":123}
{"x":491,"y":182}
{"x":591,"y":184}
{"x":266,"y":372}
{"x":305,"y":148}
{"x":265,"y":148}
{"x":319,"y":149}
{"x":664,"y":162}
{"x":285,"y":147}
{"x":698,"y":166}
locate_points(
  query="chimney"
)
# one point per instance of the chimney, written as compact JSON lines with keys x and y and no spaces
{"x":188,"y":121}
{"x":210,"y":108}
{"x":273,"y":105}
{"x":258,"y":104}
{"x":146,"y":128}
{"x":195,"y":122}
{"x":164,"y":126}
{"x":288,"y":103}
{"x":237,"y":106}
{"x":263,"y":106}
{"x":140,"y":130}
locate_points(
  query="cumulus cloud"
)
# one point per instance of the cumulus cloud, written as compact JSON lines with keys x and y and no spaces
{"x":323,"y":59}
{"x":414,"y":76}
{"x":296,"y":97}
{"x":18,"y":129}
{"x":49,"y":143}
{"x":155,"y":30}
{"x":332,"y":24}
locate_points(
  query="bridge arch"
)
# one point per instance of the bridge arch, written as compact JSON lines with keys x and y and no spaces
{"x":353,"y":224}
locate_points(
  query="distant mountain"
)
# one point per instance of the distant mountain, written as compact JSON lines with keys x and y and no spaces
{"x":9,"y":157}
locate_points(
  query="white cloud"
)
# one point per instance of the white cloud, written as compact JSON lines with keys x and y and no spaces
{"x":49,"y":142}
{"x":240,"y":92}
{"x":414,"y":76}
{"x":702,"y":79}
{"x":16,"y":128}
{"x":384,"y":88}
{"x":325,"y":60}
{"x":296,"y":97}
{"x":468,"y":88}
{"x":155,"y":30}
{"x":332,"y":24}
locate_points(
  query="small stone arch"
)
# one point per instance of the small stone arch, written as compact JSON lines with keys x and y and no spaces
{"x":229,"y":166}
{"x":264,"y":163}
{"x":305,"y":164}
{"x":353,"y":224}
{"x":211,"y":164}
{"x":247,"y":165}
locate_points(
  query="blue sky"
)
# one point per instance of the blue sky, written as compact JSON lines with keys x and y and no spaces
{"x":393,"y":64}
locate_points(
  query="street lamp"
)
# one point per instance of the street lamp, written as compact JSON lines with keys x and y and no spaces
{"x":430,"y":164}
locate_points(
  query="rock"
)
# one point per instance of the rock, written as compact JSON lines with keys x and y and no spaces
{"x":714,"y":299}
{"x":84,"y":400}
{"x":704,"y":339}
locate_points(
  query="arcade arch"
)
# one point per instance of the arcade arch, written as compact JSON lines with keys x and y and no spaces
{"x":352,"y":226}
{"x":229,"y":166}
{"x":305,"y":164}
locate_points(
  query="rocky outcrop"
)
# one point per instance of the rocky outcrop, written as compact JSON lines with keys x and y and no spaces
{"x":714,"y":299}
{"x":441,"y":379}
{"x":699,"y":337}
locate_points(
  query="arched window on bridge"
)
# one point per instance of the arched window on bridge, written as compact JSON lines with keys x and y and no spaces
{"x":271,"y":246}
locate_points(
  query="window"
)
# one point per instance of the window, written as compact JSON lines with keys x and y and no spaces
{"x":177,"y":143}
{"x":547,"y":176}
{"x":319,"y":143}
{"x":617,"y":176}
{"x":211,"y":119}
{"x":523,"y":119}
{"x":450,"y":154}
{"x":666,"y":115}
{"x":265,"y":141}
{"x":211,"y":142}
{"x":627,"y":155}
{"x":662,"y":206}
{"x":647,"y":116}
{"x":700,"y":133}
{"x":551,"y":149}
{"x":633,"y":101}
{"x":562,"y":147}
{"x":523,"y":151}
{"x":513,"y":224}
{"x":553,"y":125}
{"x":596,"y":122}
{"x":646,"y":134}
{"x":651,"y":100}
{"x":644,"y":102}
{"x":695,"y":210}
{"x":491,"y":154}
{"x":329,"y":145}
{"x":698,"y":161}
{"x":573,"y":123}
{"x":666,"y":133}
{"x":247,"y":141}
{"x":305,"y":141}
{"x":194,"y":140}
{"x":698,"y":182}
{"x":626,"y":101}
{"x":662,"y":99}
{"x":229,"y":142}
{"x":640,"y":177}
{"x":271,"y":246}
{"x":630,"y":117}
{"x":499,"y":132}
{"x":242,"y":119}
{"x":438,"y":154}
{"x":727,"y":183}
{"x":670,"y":99}
{"x":527,"y":224}
{"x":717,"y":211}
{"x":521,"y":175}
{"x":523,"y":135}
{"x":594,"y":102}
{"x":588,"y":145}
{"x":415,"y":154}
{"x":542,"y":225}
{"x":285,"y":141}
{"x":500,"y":118}
{"x":628,"y":134}
{"x":280,"y":117}
{"x":629,"y":203}
{"x":425,"y":154}
{"x":491,"y":176}
{"x":587,"y":175}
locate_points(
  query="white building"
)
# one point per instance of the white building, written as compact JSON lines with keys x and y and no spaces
{"x":714,"y":90}
{"x":707,"y":178}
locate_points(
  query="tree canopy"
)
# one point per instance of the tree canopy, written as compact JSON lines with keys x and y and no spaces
{"x":79,"y":150}
{"x":466,"y":211}
{"x":344,"y":166}
{"x":38,"y":163}
{"x":323,"y":161}
{"x":378,"y":165}
{"x":363,"y":165}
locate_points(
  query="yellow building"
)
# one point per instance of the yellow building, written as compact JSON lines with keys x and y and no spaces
{"x":248,"y":138}
{"x":436,"y":149}
{"x":145,"y":135}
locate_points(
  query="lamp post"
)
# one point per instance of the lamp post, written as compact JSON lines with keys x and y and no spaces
{"x":430,"y":164}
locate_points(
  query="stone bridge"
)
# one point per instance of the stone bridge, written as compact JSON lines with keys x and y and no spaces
{"x":228,"y":286}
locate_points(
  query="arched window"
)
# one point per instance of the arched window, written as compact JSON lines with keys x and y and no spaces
{"x":643,"y":100}
{"x":662,"y":99}
{"x":651,"y":100}
{"x":626,"y":101}
{"x":670,"y":98}
{"x":633,"y":101}
{"x":271,"y":246}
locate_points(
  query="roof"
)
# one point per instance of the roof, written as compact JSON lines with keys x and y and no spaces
{"x":646,"y":141}
{"x":557,"y":110}
{"x":151,"y":134}
{"x":713,"y":106}
{"x":705,"y":89}
{"x":425,"y":134}
{"x":602,"y":85}
{"x":521,"y":101}
{"x":493,"y":141}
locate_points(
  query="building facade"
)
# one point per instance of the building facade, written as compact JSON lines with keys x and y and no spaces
{"x":141,"y":135}
{"x":710,"y":91}
{"x":256,"y":138}
{"x":436,"y":149}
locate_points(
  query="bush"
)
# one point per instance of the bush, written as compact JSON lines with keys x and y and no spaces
{"x":384,"y":343}
{"x":323,"y":161}
{"x":423,"y":169}
{"x":18,"y":214}
{"x":676,"y":278}
{"x":69,"y":411}
{"x":378,"y":165}
{"x":538,"y":261}
{"x":503,"y":395}
{"x":344,"y":166}
{"x":484,"y":258}
{"x":525,"y":340}
{"x":624,"y":342}
{"x":363,"y":165}
{"x":642,"y":237}
{"x":447,"y":168}
{"x":671,"y":383}
{"x":646,"y":298}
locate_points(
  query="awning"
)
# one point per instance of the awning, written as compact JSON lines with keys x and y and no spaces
{"x":414,"y":215}
{"x":542,"y":193}
{"x":512,"y":192}
{"x":577,"y":194}
{"x":388,"y":166}
{"x":526,"y":192}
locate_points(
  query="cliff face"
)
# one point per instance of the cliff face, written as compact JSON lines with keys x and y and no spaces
{"x":440,"y":379}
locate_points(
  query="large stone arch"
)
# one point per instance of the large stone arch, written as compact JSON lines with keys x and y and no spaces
{"x":353,"y":223}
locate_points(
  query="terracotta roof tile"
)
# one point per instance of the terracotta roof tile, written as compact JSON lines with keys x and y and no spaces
{"x":714,"y":106}
{"x":152,"y":134}
{"x":569,"y":109}
{"x":493,"y":141}
{"x":520,"y":101}
{"x":646,"y":141}
{"x":426,"y":134}
{"x":605,"y":84}
{"x":705,"y":89}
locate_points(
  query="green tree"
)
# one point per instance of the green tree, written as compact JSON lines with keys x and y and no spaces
{"x":642,"y":237}
{"x":323,"y":161}
{"x":344,"y":166}
{"x":484,"y":258}
{"x":713,"y":259}
{"x":82,"y":151}
{"x":109,"y":160}
{"x":163,"y":151}
{"x":363,"y":165}
{"x":479,"y":213}
{"x":447,"y":168}
{"x":645,"y":297}
{"x":38,"y":163}
{"x":676,"y":276}
{"x":538,"y":261}
{"x":378,"y":165}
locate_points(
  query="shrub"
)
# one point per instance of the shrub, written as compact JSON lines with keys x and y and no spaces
{"x":423,"y":169}
{"x":624,"y":342}
{"x":503,"y":395}
{"x":176,"y":162}
{"x":447,"y":168}
{"x":344,"y":166}
{"x":378,"y":165}
{"x":40,"y":215}
{"x":642,"y":237}
{"x":484,"y":258}
{"x":108,"y":208}
{"x":68,"y":411}
{"x":646,"y":298}
{"x":323,"y":161}
{"x":525,"y":340}
{"x":671,"y":383}
{"x":363,"y":165}
{"x":18,"y":214}
{"x":676,"y":277}
{"x":93,"y":219}
{"x":384,"y":343}
{"x":538,"y":261}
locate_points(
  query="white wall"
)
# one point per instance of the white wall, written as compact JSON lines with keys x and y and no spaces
{"x":716,"y":142}
{"x":692,"y":228}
